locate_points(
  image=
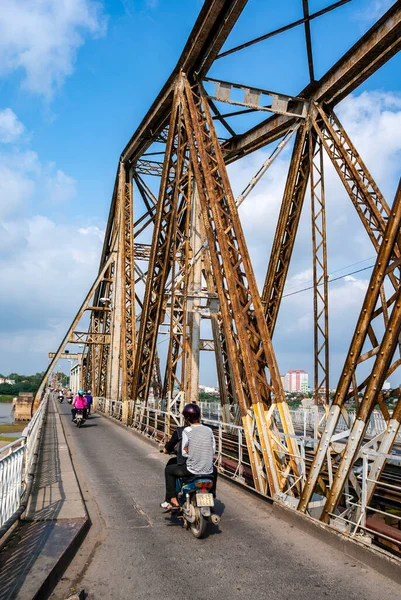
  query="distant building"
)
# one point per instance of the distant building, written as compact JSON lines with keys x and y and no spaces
{"x":208,"y":389}
{"x":296,"y":381}
{"x":7,"y":381}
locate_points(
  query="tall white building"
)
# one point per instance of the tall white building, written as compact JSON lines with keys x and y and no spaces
{"x":296,"y":381}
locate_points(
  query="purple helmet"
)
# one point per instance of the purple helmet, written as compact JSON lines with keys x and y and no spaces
{"x":191,"y":413}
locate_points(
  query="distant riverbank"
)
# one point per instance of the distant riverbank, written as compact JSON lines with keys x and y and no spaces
{"x":6,"y":399}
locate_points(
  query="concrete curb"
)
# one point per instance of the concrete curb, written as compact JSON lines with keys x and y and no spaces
{"x":57,"y":571}
{"x":373,"y":557}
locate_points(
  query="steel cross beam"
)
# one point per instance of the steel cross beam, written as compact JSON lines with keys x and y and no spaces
{"x":375,"y":48}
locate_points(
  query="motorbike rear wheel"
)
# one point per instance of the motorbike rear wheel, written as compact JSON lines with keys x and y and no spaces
{"x":198,"y":527}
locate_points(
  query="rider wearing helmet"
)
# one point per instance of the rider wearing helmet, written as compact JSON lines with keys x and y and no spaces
{"x":79,"y":403}
{"x":89,"y":400}
{"x":198,"y":447}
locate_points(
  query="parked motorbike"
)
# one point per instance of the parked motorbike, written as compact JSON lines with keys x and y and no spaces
{"x":79,"y":417}
{"x":196,"y":503}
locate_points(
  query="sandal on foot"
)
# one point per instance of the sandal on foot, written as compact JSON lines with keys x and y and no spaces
{"x":167,"y":507}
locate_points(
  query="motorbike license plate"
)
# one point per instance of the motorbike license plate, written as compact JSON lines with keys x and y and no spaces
{"x":203,"y":499}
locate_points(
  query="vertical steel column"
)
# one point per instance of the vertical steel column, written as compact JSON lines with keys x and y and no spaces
{"x":320,"y":275}
{"x":114,"y":364}
{"x":127,"y":277}
{"x":193,"y":308}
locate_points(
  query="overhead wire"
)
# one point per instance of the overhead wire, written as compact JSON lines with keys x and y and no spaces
{"x":329,"y":281}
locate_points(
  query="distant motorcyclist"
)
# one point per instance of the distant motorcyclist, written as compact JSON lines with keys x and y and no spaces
{"x":69,"y":395}
{"x":89,"y":400}
{"x":79,"y":403}
{"x":197,"y":447}
{"x":60,"y":396}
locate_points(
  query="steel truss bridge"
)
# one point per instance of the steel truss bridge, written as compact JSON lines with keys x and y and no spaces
{"x":183,"y":258}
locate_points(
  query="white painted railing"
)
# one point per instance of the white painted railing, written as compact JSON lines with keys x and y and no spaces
{"x":16,"y":464}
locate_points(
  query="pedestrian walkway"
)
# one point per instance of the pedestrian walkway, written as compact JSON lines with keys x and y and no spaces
{"x":54,"y":520}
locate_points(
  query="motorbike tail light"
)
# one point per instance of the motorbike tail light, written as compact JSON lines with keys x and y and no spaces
{"x":204,"y":485}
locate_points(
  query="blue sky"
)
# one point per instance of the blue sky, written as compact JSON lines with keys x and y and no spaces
{"x":76,"y":78}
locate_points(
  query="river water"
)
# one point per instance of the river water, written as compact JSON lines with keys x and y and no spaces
{"x":6,"y":415}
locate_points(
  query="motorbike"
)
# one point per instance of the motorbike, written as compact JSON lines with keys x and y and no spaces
{"x":79,"y":417}
{"x":60,"y":399}
{"x":196,"y":503}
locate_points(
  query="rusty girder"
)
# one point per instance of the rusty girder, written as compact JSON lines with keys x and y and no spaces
{"x":248,"y":342}
{"x":287,"y":226}
{"x":320,"y":273}
{"x":126,"y":264}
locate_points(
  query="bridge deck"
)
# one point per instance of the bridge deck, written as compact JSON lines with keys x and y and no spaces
{"x":139,"y":552}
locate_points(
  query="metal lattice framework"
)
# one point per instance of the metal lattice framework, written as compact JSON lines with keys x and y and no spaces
{"x":185,"y":259}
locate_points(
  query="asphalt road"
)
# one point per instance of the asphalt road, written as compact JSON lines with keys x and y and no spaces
{"x":135,"y":551}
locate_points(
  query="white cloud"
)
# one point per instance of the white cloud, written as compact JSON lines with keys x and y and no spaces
{"x":14,"y":190}
{"x":60,"y":187}
{"x":373,"y":10}
{"x":10,"y":127}
{"x":92,"y":230}
{"x":41,"y":39}
{"x":46,"y":265}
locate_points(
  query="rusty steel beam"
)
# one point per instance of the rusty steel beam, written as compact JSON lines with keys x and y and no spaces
{"x":212,"y":27}
{"x":375,"y":48}
{"x":320,"y":273}
{"x":127,"y":273}
{"x":246,"y":334}
{"x":287,"y":227}
{"x":367,"y":314}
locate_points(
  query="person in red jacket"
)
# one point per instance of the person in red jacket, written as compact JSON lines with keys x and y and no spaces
{"x":79,"y":403}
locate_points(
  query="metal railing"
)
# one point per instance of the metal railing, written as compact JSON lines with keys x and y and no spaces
{"x":232,"y":459}
{"x":17,"y":465}
{"x":359,"y":516}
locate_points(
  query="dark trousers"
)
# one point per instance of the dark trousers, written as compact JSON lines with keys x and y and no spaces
{"x":74,"y":412}
{"x":173,"y":471}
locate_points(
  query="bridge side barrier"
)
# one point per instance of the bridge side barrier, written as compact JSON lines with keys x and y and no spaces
{"x":17,"y":469}
{"x":358,"y":518}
